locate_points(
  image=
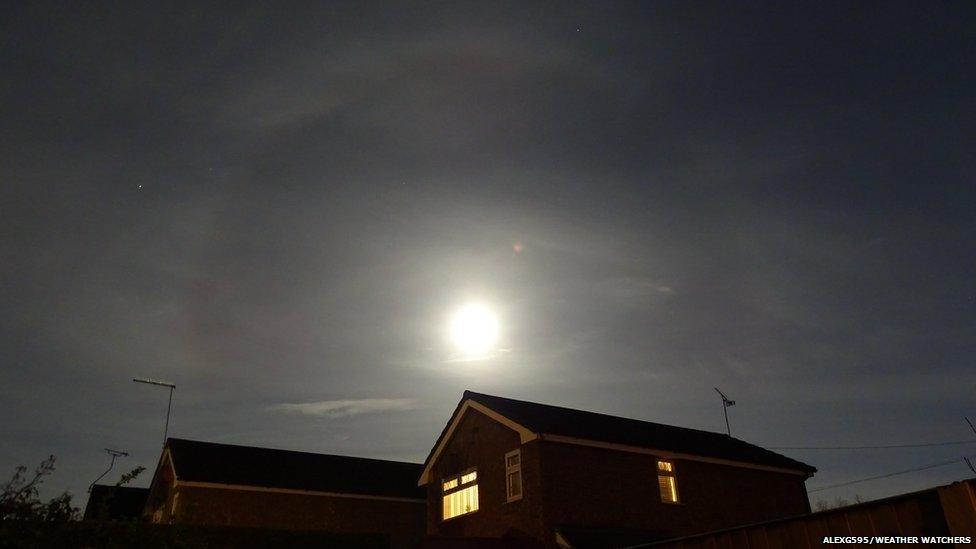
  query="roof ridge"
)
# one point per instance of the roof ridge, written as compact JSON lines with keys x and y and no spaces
{"x":577,"y":410}
{"x":117,"y":487}
{"x":730,"y":443}
{"x":282,"y":450}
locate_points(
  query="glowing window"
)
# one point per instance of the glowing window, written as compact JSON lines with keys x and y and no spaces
{"x":460,"y":494}
{"x":667,"y":482}
{"x":513,"y":475}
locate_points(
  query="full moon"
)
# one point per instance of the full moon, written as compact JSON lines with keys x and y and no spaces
{"x":474,"y":330}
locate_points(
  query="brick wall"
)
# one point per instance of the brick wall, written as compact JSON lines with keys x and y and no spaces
{"x":125,"y":534}
{"x":402,"y":521}
{"x":594,"y":487}
{"x":481,"y":442}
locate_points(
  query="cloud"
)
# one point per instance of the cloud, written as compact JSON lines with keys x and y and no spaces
{"x":346,"y":408}
{"x":628,"y":289}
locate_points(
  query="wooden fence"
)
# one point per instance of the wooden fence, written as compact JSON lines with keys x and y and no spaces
{"x":944,"y":512}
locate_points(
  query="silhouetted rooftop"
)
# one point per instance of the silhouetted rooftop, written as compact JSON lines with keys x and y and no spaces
{"x":115,"y":502}
{"x":270,"y":468}
{"x":555,"y":420}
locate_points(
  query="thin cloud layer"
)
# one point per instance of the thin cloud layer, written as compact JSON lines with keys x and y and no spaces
{"x":347,"y":408}
{"x":269,"y":206}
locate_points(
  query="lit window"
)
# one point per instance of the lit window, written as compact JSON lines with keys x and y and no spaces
{"x":513,"y":475}
{"x":460,"y":494}
{"x":666,"y":482}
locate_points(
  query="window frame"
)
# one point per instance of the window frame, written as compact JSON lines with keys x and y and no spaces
{"x":458,"y":487}
{"x":510,"y":470}
{"x":669,"y":473}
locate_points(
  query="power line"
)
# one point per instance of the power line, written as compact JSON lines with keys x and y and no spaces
{"x":906,"y":471}
{"x":926,"y":445}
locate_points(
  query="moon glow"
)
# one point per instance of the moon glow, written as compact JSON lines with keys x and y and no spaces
{"x":474,"y":330}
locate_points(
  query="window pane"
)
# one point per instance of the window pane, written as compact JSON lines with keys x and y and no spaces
{"x":461,"y":502}
{"x":450,"y":484}
{"x":514,"y":485}
{"x":512,"y":461}
{"x":669,"y":488}
{"x":470,"y":477}
{"x":664,"y":466}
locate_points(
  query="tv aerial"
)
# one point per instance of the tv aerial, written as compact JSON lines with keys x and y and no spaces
{"x":114,"y":454}
{"x":726,"y":403}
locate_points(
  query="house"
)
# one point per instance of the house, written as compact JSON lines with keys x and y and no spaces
{"x":115,"y":502}
{"x":205,"y":483}
{"x":559,"y":477}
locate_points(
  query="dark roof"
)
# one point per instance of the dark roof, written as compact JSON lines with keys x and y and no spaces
{"x":555,"y":420}
{"x":270,"y":468}
{"x":115,"y":502}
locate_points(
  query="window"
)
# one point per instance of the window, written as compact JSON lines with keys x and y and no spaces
{"x":513,"y":475}
{"x":460,"y":494}
{"x":666,"y":482}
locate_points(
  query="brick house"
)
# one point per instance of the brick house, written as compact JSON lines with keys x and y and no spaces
{"x":221,"y":484}
{"x":549,"y":476}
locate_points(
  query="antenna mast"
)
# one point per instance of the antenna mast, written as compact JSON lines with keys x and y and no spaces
{"x":114,"y":454}
{"x":726,"y":403}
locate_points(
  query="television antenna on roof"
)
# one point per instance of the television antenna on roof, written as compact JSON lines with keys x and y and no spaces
{"x":726,"y":403}
{"x":169,"y":404}
{"x":114,"y":454}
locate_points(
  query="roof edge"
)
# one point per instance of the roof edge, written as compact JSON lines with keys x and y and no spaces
{"x":800,"y":466}
{"x":468,"y":403}
{"x":265,"y":448}
{"x":300,"y":491}
{"x":674,"y":455}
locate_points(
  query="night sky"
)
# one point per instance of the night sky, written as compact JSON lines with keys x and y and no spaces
{"x":279,"y":208}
